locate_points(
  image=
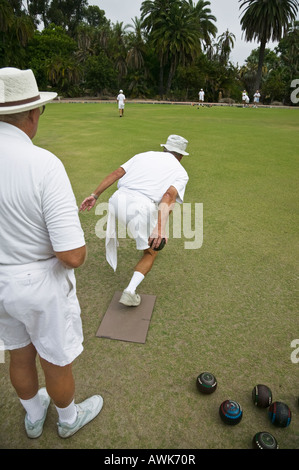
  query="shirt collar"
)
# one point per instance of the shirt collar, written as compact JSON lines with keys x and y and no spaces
{"x":13,"y":131}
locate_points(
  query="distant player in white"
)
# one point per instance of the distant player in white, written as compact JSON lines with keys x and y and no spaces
{"x":256,"y":98}
{"x":121,"y":102}
{"x":201,"y":96}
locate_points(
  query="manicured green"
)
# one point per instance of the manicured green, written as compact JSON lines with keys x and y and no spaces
{"x":229,"y":308}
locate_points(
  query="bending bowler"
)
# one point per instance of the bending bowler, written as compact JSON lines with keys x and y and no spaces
{"x":149,"y":184}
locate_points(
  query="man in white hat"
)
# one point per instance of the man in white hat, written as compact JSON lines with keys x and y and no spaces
{"x":121,"y":102}
{"x":41,"y":242}
{"x":201,"y":96}
{"x":149,"y":184}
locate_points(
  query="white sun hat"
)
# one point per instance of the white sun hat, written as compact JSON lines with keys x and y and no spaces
{"x":19,"y":91}
{"x":176,"y":143}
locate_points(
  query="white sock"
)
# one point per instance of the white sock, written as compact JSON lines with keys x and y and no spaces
{"x":137,"y":278}
{"x":67,"y":415}
{"x":34,"y":408}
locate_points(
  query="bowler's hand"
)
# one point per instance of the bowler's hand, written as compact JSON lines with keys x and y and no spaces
{"x":156,"y":238}
{"x":88,"y":203}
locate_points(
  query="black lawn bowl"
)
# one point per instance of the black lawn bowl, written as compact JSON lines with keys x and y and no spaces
{"x":262,"y":396}
{"x":161,"y":246}
{"x":280,"y":414}
{"x":230,"y":412}
{"x":206,"y":383}
{"x":264,"y":440}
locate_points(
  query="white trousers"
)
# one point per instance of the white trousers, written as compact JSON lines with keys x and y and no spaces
{"x":137,"y":213}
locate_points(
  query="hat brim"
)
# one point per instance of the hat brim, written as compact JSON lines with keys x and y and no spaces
{"x":45,"y":97}
{"x":174,"y":149}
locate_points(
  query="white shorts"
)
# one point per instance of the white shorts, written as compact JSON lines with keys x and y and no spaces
{"x":121,"y":105}
{"x":39,"y":305}
{"x":136,"y":212}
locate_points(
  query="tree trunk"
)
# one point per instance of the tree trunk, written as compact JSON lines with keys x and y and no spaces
{"x":172,"y":71}
{"x":161,"y":78}
{"x":261,"y":63}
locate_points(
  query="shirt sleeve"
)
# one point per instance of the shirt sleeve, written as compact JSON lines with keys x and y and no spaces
{"x":128,"y":164}
{"x":180,"y":185}
{"x":61,"y":211}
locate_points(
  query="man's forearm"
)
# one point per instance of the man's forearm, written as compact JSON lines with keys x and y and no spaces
{"x":109,"y":180}
{"x":72,"y":258}
{"x":165,"y":208}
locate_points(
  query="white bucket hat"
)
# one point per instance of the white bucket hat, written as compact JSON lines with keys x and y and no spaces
{"x":176,"y":143}
{"x":19,"y":91}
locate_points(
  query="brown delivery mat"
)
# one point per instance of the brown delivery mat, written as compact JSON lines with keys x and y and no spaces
{"x":127,"y":323}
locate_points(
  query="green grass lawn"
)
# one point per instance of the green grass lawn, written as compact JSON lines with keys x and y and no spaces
{"x":229,"y":307}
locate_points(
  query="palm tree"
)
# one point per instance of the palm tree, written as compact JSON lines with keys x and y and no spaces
{"x":265,"y":20}
{"x":289,"y":50}
{"x":151,"y":11}
{"x":225,"y":44}
{"x":204,"y":19}
{"x":6,"y":16}
{"x":136,"y":44}
{"x":177,"y":36}
{"x":87,"y":38}
{"x":16,"y":29}
{"x":173,"y":31}
{"x":23,"y":29}
{"x":63,"y":72}
{"x":118,"y":48}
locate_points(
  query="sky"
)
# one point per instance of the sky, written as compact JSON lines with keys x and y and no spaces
{"x":227,"y":13}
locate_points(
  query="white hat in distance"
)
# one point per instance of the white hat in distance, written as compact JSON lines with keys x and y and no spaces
{"x":176,"y":143}
{"x":19,"y":91}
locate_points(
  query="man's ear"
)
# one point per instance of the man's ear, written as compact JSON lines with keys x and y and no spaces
{"x":34,"y":113}
{"x":32,"y":122}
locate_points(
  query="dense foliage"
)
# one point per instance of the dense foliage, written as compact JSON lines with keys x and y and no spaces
{"x":170,"y":52}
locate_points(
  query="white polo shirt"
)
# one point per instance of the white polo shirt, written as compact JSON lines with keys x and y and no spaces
{"x":38,"y":210}
{"x":121,"y":99}
{"x":152,"y":173}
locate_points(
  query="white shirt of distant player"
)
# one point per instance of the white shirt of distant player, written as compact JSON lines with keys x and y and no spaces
{"x":152,"y":173}
{"x":257,"y":96}
{"x":121,"y":98}
{"x":201,"y":95}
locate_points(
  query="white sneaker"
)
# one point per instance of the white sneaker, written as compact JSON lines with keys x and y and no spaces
{"x":129,"y":299}
{"x":86,"y":411}
{"x":35,"y":430}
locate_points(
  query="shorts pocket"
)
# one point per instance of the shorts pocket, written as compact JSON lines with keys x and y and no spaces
{"x":70,"y":283}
